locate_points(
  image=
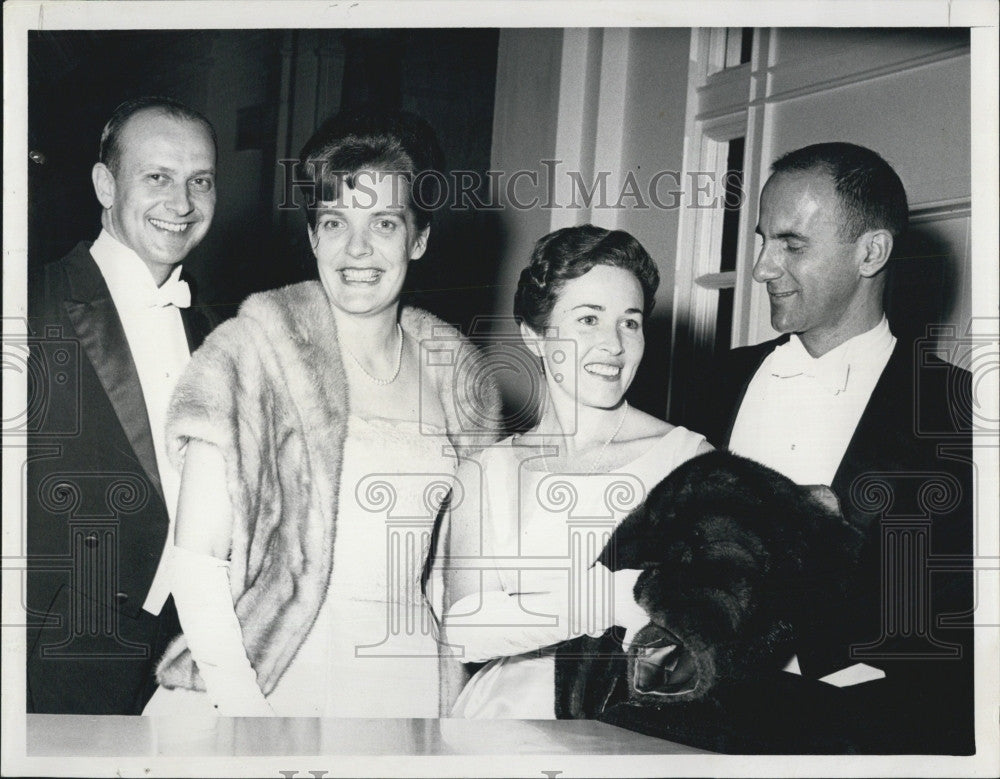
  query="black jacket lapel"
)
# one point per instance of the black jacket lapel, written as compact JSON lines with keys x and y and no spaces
{"x":744,"y":364}
{"x":873,"y":447}
{"x":198,"y":320}
{"x":99,"y":329}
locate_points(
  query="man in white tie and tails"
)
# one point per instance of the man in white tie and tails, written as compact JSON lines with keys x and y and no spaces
{"x":838,"y":400}
{"x":115,"y":317}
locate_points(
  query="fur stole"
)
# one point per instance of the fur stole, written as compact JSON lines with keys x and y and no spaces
{"x":736,"y":559}
{"x":268,"y":388}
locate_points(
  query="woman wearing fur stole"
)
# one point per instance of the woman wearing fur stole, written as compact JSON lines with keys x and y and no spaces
{"x":317,"y":440}
{"x":539,"y":506}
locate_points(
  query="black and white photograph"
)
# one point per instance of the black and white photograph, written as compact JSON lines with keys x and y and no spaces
{"x":539,"y":389}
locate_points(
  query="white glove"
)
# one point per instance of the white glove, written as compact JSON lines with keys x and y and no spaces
{"x":498,"y":624}
{"x":493,"y":623}
{"x":200,"y":585}
{"x":627,"y":613}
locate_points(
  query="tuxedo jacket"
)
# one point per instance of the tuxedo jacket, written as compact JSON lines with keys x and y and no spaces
{"x":97,"y":522}
{"x":905,"y":482}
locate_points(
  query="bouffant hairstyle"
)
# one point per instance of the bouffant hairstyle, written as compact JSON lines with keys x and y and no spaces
{"x":871,"y":195}
{"x":570,"y":253}
{"x":380,"y":142}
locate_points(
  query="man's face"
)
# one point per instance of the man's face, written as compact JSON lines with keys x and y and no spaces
{"x":162,"y":197}
{"x":812,"y":273}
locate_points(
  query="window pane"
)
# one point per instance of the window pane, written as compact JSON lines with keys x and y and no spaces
{"x":746,"y":44}
{"x":724,"y":321}
{"x":733,"y":188}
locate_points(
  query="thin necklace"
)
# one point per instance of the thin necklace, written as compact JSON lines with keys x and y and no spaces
{"x":399,"y":361}
{"x":600,"y":454}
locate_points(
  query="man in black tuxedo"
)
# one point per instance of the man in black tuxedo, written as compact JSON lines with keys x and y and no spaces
{"x":838,"y":400}
{"x":114,"y":320}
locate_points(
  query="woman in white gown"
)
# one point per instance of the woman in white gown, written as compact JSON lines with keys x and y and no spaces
{"x":519,"y":577}
{"x":317,"y":442}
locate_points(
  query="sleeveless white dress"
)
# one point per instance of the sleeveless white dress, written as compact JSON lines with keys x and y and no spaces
{"x":557,"y":524}
{"x":372,"y":651}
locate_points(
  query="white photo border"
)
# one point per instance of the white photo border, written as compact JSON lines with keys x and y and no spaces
{"x":21,"y":16}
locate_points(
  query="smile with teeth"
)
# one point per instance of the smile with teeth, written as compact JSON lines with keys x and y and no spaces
{"x":361,"y":275}
{"x":603,"y":369}
{"x":781,"y":294}
{"x":171,"y":227}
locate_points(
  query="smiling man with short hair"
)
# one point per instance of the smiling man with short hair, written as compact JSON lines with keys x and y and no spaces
{"x":838,"y":400}
{"x":156,"y":182}
{"x":96,"y":590}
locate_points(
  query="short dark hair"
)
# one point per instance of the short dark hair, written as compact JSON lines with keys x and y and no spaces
{"x":110,"y":151}
{"x":368,"y":139}
{"x":570,"y":253}
{"x":872,"y":197}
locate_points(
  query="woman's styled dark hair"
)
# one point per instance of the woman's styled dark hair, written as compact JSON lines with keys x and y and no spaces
{"x":383,"y":142}
{"x":568,"y":254}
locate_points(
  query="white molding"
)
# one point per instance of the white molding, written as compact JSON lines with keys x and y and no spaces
{"x":725,"y":127}
{"x":955,"y":208}
{"x":750,"y":94}
{"x":724,"y":93}
{"x":724,"y":48}
{"x":714,"y":52}
{"x":734,"y":45}
{"x":725,"y":279}
{"x":705,"y":303}
{"x":610,"y":138}
{"x":708,"y":130}
{"x":751,"y":314}
{"x":574,"y":126}
{"x":699,"y":56}
{"x":787,"y":81}
{"x":687,"y":239}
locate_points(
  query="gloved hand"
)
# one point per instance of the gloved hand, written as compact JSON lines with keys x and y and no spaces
{"x":201,"y":590}
{"x":626,"y":613}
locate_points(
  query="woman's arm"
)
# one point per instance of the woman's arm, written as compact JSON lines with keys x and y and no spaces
{"x":483,"y":620}
{"x":201,"y":587}
{"x":204,"y":514}
{"x":499,"y":629}
{"x":460,"y":542}
{"x":452,"y":673}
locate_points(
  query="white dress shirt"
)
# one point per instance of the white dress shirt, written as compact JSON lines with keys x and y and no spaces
{"x":156,"y":338}
{"x":798,"y":417}
{"x":800,"y":412}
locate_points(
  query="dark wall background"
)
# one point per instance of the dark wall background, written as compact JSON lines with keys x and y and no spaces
{"x":264,"y":91}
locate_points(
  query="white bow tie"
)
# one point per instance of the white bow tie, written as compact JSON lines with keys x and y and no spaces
{"x":174,"y":292}
{"x":791,"y":359}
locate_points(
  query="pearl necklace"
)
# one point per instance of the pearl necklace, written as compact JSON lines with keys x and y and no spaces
{"x":600,"y":454}
{"x":399,"y":361}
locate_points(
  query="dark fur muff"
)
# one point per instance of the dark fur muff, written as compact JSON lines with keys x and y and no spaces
{"x":734,"y":556}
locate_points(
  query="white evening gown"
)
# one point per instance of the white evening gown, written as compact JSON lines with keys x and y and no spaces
{"x":557,"y":524}
{"x":372,"y":651}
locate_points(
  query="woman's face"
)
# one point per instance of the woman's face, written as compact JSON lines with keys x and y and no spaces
{"x":601,"y":313}
{"x":363,"y":242}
